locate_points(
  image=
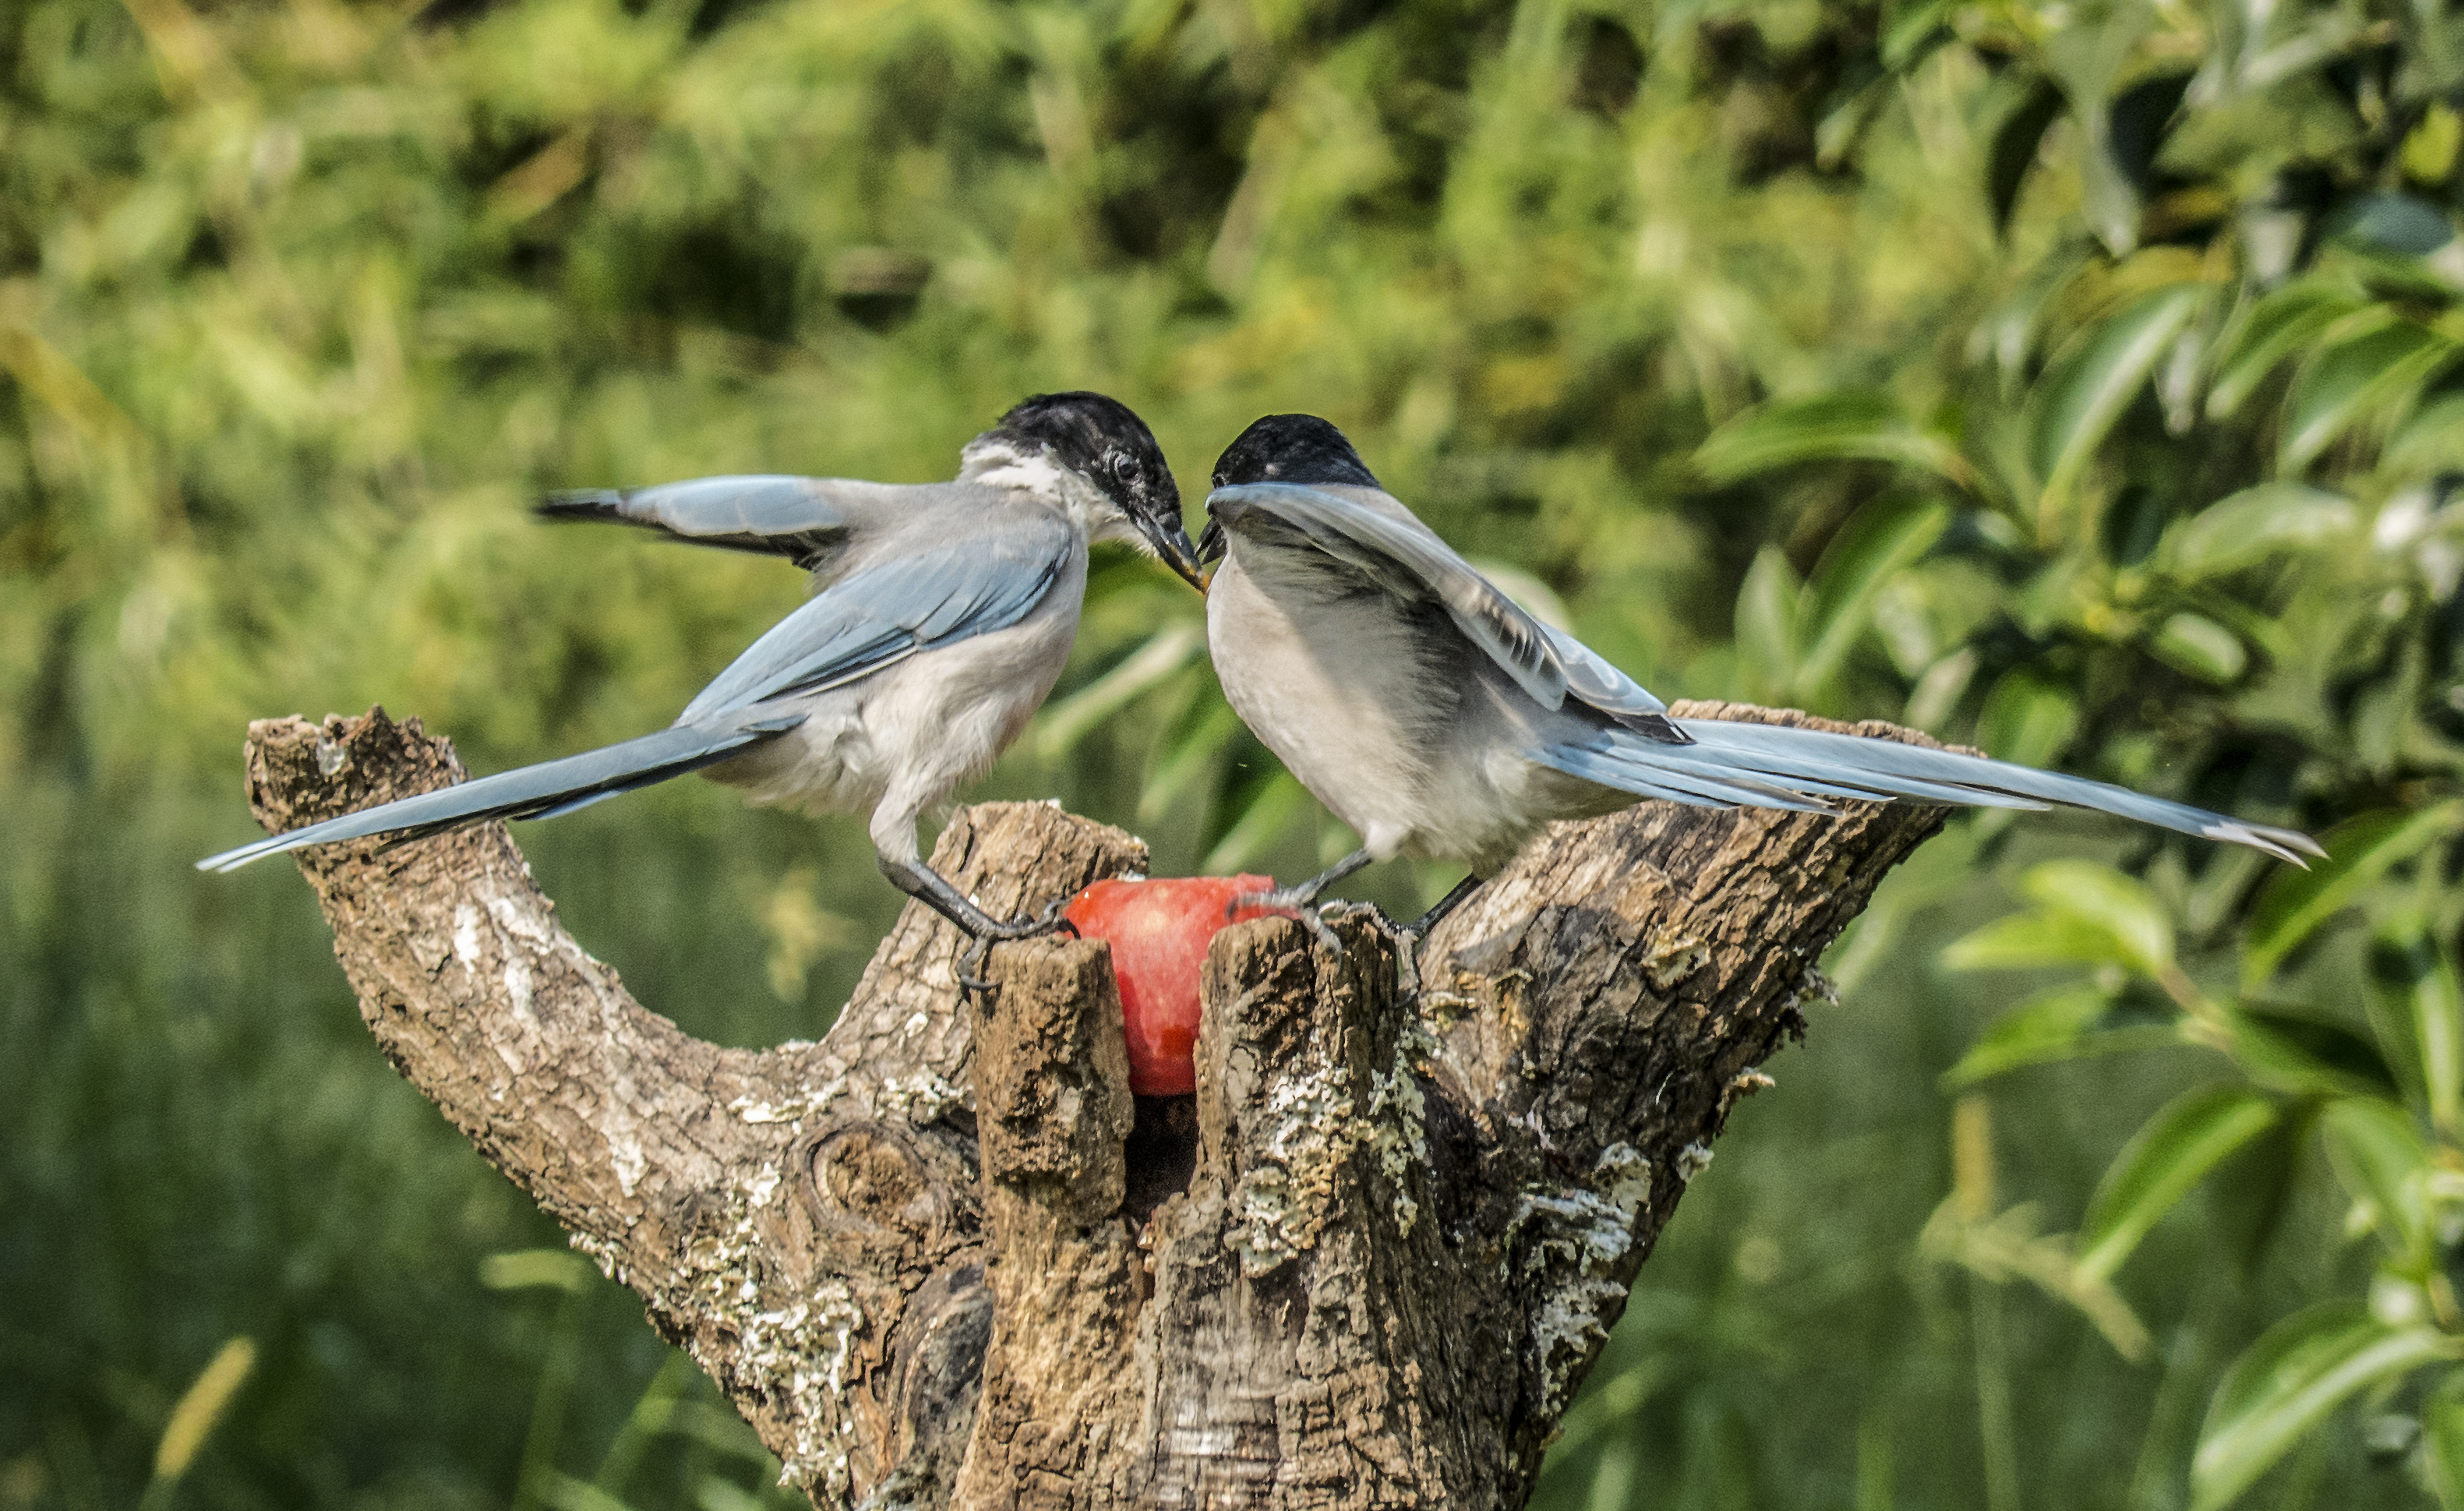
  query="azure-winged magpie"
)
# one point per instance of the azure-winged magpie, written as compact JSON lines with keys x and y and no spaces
{"x":940,"y":617}
{"x":1439,"y":720}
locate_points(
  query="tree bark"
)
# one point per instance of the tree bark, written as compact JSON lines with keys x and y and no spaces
{"x":943,"y":1259}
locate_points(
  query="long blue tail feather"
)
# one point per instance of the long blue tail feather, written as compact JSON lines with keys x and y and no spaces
{"x":1779,"y":766}
{"x":531,"y":792}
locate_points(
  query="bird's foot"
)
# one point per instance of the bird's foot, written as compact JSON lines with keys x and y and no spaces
{"x":975,"y":965}
{"x":1297,"y":903}
{"x":1411,"y":936}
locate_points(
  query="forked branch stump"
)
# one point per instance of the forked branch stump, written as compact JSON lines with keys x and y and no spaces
{"x":943,"y":1258}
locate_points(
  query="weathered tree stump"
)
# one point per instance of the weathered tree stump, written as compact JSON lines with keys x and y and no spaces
{"x":943,"y":1259}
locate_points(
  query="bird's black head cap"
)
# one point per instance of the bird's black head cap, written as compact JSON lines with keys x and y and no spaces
{"x":1102,"y":440}
{"x":1292,"y":448}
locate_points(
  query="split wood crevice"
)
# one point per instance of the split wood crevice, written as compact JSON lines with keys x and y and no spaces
{"x":942,"y":1258}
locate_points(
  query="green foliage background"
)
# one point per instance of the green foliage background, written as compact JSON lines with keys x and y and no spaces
{"x":2074,"y":380}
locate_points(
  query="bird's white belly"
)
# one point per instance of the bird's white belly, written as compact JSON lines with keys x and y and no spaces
{"x":1325,"y":702}
{"x":1401,"y":728}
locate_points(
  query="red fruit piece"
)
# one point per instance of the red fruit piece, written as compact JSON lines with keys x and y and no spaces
{"x":1159,"y":930}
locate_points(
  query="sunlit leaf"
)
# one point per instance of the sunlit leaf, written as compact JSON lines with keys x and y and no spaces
{"x":2341,"y":385}
{"x":194,"y":1415}
{"x":2031,"y":940}
{"x":2120,"y":906}
{"x":2288,"y":1382}
{"x":1856,"y":425}
{"x":2284,"y":324}
{"x":525,"y":1269}
{"x":2077,"y":403}
{"x":2174,"y":1152}
{"x":2199,"y":647}
{"x":2254,"y":524}
{"x":2359,"y":852}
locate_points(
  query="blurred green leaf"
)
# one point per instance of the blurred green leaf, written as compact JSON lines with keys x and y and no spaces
{"x":2416,"y":998}
{"x":725,"y":1495}
{"x":1837,"y":606}
{"x":2340,"y":387}
{"x":2174,"y":1152}
{"x":2285,"y":323}
{"x":2007,"y":1243}
{"x":2396,"y":222}
{"x":1260,"y":821}
{"x":2017,"y":139}
{"x":2254,"y":524}
{"x":1063,"y":724}
{"x":1187,"y":755}
{"x":2288,"y":1382}
{"x":720,"y":1430}
{"x":1911,"y":31}
{"x":199,"y":1408}
{"x":1768,"y":607}
{"x":2359,"y":852}
{"x":2295,"y":1057}
{"x":2201,"y":647}
{"x":2122,"y":907}
{"x":2027,"y":941}
{"x":1861,"y":426}
{"x":2380,"y":1158}
{"x":2442,"y":1440}
{"x":568,"y":1494}
{"x":2027,"y":719}
{"x":2061,"y":1025}
{"x":2308,"y":1054}
{"x":526,"y":1269}
{"x":2076,"y":403}
{"x":653,"y":1412}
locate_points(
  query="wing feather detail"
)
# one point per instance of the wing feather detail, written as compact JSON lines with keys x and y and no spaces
{"x":803,"y":518}
{"x":883,"y":613}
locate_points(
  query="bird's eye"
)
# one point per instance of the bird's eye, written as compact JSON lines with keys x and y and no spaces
{"x":1123,"y":467}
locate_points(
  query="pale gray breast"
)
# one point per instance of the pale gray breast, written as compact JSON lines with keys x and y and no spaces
{"x":1344,"y":681}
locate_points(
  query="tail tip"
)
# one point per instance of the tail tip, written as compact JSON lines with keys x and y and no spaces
{"x":2285,"y":845}
{"x":580,"y":503}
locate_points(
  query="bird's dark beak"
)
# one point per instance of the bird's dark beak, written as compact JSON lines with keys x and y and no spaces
{"x":1210,"y":540}
{"x":1172,"y":543}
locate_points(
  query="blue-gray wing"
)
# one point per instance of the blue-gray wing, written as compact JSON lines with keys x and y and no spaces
{"x":1592,"y":679}
{"x":888,"y":610}
{"x":1407,"y":558}
{"x":804,"y":519}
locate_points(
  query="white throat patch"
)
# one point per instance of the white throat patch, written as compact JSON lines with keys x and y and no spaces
{"x":996,"y":463}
